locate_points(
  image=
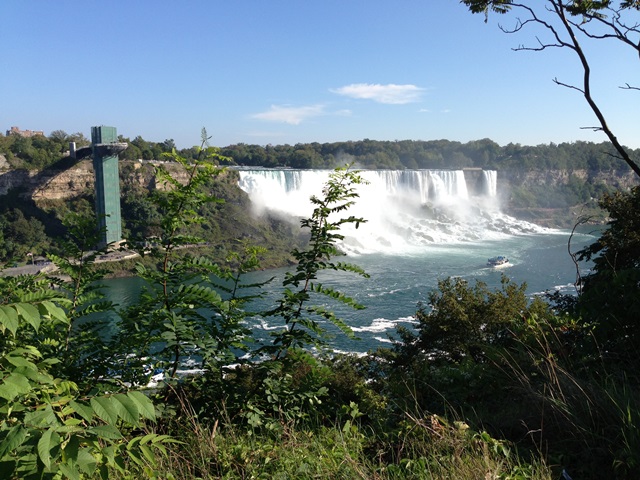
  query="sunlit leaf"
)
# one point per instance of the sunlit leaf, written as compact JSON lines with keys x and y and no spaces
{"x":104,"y":409}
{"x":106,"y":431}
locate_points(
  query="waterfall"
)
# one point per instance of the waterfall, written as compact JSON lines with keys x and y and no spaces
{"x":404,"y":209}
{"x":490,"y":180}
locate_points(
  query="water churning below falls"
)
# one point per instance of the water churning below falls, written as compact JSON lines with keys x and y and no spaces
{"x":405,"y":210}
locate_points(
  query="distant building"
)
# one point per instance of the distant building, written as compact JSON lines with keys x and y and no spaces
{"x":24,"y":133}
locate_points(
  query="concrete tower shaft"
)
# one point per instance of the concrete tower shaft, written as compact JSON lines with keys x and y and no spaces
{"x":105,"y":149}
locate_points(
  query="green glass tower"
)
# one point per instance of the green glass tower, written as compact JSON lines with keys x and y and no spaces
{"x":105,"y":148}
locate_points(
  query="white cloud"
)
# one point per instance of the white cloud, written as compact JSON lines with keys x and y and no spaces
{"x":289,"y":114}
{"x":390,"y":94}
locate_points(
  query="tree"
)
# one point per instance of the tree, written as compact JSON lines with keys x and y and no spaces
{"x":168,"y":145}
{"x":80,"y":139}
{"x":48,"y":427}
{"x":59,"y":136}
{"x":610,"y":298}
{"x":567,"y":24}
{"x":465,"y":321}
{"x":302,"y":319}
{"x":22,"y":235}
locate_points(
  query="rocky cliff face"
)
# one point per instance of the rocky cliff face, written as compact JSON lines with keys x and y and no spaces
{"x":557,"y":197}
{"x":62,"y":185}
{"x":79,"y":179}
{"x":51,"y":184}
{"x":142,"y":174}
{"x":4,"y":164}
{"x":527,"y":178}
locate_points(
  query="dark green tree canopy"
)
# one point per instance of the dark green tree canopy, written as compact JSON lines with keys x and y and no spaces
{"x":577,"y":7}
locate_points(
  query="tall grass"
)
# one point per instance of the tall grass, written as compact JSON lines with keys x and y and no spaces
{"x":426,"y":447}
{"x":583,"y":414}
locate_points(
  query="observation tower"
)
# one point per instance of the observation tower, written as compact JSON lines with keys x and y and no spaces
{"x":105,"y":148}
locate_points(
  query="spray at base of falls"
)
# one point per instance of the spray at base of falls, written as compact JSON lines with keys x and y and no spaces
{"x":405,"y":210}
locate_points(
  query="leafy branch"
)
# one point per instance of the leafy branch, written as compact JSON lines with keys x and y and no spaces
{"x":300,"y":317}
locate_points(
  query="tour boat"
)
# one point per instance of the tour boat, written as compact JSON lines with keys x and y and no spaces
{"x":499,"y":261}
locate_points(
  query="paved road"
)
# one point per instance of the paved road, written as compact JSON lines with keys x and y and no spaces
{"x":27,"y":270}
{"x":51,"y":268}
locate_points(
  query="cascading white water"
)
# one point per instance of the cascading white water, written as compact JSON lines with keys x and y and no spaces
{"x":490,"y":181}
{"x":405,"y":209}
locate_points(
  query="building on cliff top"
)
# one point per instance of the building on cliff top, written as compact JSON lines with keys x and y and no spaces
{"x":24,"y":133}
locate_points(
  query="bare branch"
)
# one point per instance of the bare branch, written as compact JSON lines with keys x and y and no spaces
{"x":572,"y":87}
{"x":586,"y":88}
{"x":612,"y":155}
{"x":574,"y":257}
{"x":535,"y":19}
{"x":619,"y":30}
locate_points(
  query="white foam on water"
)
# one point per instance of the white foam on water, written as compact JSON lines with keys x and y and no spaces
{"x":384,"y":340}
{"x":405,"y":210}
{"x":265,"y":326}
{"x":379,"y":325}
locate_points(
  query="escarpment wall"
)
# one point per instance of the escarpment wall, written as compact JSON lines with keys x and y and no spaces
{"x":79,"y":179}
{"x":52,"y":184}
{"x":618,"y":179}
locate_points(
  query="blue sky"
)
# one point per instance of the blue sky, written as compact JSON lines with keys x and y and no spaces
{"x":286,"y":71}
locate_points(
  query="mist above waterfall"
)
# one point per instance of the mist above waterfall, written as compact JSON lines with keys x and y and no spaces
{"x":405,"y":210}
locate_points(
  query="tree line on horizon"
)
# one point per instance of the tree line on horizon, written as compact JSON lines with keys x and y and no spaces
{"x":39,"y":152}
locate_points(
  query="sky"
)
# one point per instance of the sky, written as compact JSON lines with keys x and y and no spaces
{"x":299,"y":71}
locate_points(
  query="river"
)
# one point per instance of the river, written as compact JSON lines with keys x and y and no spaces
{"x":399,"y":282}
{"x":422,"y":226}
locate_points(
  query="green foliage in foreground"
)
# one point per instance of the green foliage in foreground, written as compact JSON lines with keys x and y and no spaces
{"x":47,"y":428}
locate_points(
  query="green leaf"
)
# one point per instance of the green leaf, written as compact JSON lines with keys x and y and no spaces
{"x":144,"y":403}
{"x":85,"y":411}
{"x":13,"y":440}
{"x":148,"y":453}
{"x":29,"y":314}
{"x":9,"y":318}
{"x":20,"y":361}
{"x":71,"y":449}
{"x":70,"y":470}
{"x":135,"y":456}
{"x":48,"y":441}
{"x":104,"y":409}
{"x":54,"y":311}
{"x":41,"y":418}
{"x":106,"y":431}
{"x":86,"y":461}
{"x":14,"y":385}
{"x":127,"y":408}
